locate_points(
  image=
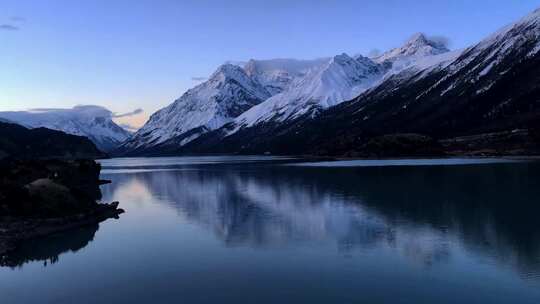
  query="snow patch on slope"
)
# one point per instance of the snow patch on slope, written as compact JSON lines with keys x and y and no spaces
{"x":338,"y":79}
{"x":418,"y":46}
{"x":276,"y":75}
{"x":228,"y":93}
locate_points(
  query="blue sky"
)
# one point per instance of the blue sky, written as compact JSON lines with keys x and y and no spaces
{"x":128,"y":54}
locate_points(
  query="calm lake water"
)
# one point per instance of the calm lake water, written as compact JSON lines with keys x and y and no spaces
{"x":277,"y":230}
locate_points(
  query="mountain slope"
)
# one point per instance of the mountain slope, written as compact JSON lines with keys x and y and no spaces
{"x":19,"y":142}
{"x":228,"y":93}
{"x":276,"y":75}
{"x":274,"y":91}
{"x":90,"y":121}
{"x":338,"y":79}
{"x":490,"y":87}
{"x":418,"y":46}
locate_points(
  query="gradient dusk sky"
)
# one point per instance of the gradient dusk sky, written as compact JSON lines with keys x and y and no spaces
{"x":128,"y":54}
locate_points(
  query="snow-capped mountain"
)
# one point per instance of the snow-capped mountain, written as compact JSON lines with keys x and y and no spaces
{"x":93,"y":122}
{"x":276,"y":75}
{"x":337,"y":79}
{"x":342,"y":78}
{"x":230,"y":91}
{"x":418,"y":46}
{"x":226,"y":94}
{"x":243,"y":95}
{"x":489,"y":88}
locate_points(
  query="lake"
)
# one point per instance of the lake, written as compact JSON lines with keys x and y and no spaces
{"x":281,"y":230}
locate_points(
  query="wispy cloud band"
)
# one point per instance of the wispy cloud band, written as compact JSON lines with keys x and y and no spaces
{"x":9,"y":27}
{"x":128,"y":114}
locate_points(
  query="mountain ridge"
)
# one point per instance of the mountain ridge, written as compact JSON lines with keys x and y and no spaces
{"x":286,"y":89}
{"x":421,"y":87}
{"x":489,"y":87}
{"x":93,"y":122}
{"x":18,"y":142}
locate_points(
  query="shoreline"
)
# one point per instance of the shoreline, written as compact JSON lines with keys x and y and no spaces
{"x":39,"y":198}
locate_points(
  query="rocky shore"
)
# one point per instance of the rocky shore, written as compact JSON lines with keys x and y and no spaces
{"x":43,"y":197}
{"x":518,"y":142}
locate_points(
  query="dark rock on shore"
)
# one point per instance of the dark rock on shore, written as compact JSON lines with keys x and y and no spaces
{"x":396,"y":145}
{"x":508,"y":143}
{"x":48,"y":188}
{"x":42,"y":197}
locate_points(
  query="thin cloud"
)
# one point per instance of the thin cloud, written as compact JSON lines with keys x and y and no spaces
{"x":9,"y":27}
{"x":128,"y":127}
{"x":17,"y":19}
{"x":46,"y":109}
{"x":198,"y":78}
{"x":132,"y":113}
{"x":97,"y":111}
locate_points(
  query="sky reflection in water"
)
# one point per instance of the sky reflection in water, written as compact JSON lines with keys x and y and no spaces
{"x":202,"y":230}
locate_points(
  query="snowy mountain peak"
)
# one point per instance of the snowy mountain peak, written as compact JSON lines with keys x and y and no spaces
{"x":416,"y":47}
{"x":267,"y":94}
{"x":365,"y":61}
{"x":252,"y":67}
{"x":342,"y":58}
{"x":419,"y":40}
{"x":359,"y":66}
{"x":226,"y":94}
{"x":229,"y":71}
{"x":336,"y":80}
{"x":229,"y":77}
{"x":276,"y":75}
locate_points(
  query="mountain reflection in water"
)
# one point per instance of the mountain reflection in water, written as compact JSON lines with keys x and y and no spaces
{"x":423,"y":213}
{"x":242,"y":230}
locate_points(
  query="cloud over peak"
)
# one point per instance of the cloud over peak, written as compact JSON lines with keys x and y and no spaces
{"x":81,"y":111}
{"x":128,"y":114}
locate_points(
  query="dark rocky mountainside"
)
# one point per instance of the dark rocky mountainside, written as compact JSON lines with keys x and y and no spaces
{"x":19,"y":142}
{"x":491,"y":88}
{"x":46,"y":186}
{"x":93,"y":122}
